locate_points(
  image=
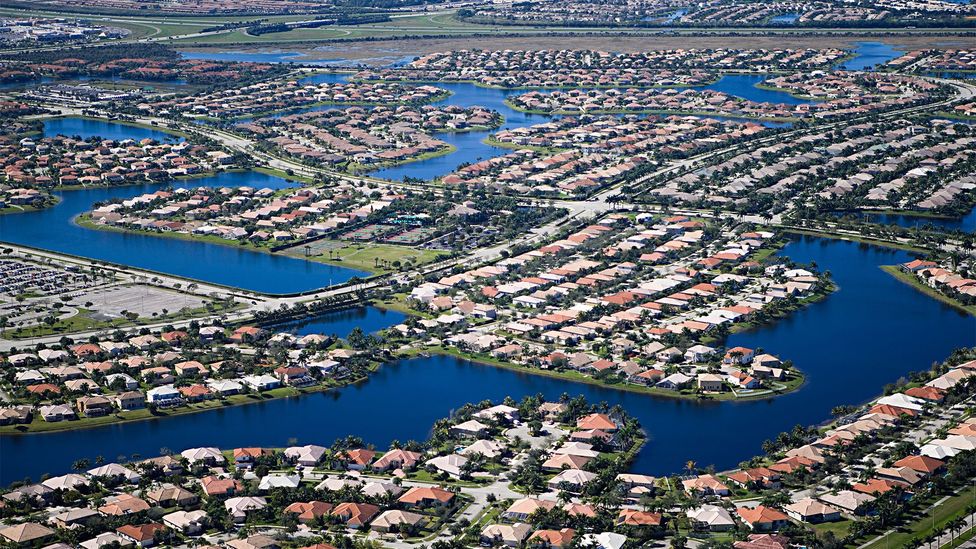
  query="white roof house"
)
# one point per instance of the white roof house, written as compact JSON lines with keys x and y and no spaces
{"x":577,"y":478}
{"x":194,"y":455}
{"x":450,"y":464}
{"x":240,"y":506}
{"x":117,"y":471}
{"x":604,"y":540}
{"x":488,"y":448}
{"x":307,"y":456}
{"x":277,"y":480}
{"x":713,"y":517}
{"x":66,"y":482}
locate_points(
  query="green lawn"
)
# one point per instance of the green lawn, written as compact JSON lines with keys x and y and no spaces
{"x":839,"y":528}
{"x":370,"y":256}
{"x":932,"y":520}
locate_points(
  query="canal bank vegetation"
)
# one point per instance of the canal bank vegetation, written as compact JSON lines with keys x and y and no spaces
{"x":827,"y":233}
{"x":492,"y":141}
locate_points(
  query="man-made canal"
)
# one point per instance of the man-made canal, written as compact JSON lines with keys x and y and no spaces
{"x":872,"y":331}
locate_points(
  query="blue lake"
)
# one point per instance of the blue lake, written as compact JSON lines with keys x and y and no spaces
{"x":248,"y":57}
{"x":85,"y":128}
{"x":869,"y":55}
{"x":471,"y":149}
{"x":784,"y":19}
{"x":957,"y":75}
{"x":844,"y":344}
{"x":470,"y":146}
{"x":670,"y":18}
{"x":341,"y":323}
{"x":53,"y":229}
{"x":744,"y":86}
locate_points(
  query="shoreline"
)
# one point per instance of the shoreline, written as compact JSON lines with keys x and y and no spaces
{"x":51,"y":201}
{"x":859,"y":239}
{"x":725,"y":396}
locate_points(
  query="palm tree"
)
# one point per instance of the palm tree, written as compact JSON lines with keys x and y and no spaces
{"x":956,"y":525}
{"x":691,"y":467}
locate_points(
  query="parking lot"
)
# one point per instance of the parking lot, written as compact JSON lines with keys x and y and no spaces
{"x":147,"y":301}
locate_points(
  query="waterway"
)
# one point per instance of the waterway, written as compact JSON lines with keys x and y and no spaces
{"x":87,"y":128}
{"x":844,"y":344}
{"x":784,"y":19}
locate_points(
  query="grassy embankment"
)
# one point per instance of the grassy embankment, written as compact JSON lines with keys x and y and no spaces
{"x":50,"y":202}
{"x":932,"y":520}
{"x":490,"y":140}
{"x":914,"y":282}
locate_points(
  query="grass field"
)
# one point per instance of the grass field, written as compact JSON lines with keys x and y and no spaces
{"x":366,"y":256}
{"x":930,"y":521}
{"x":413,"y":25}
{"x":839,"y":528}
